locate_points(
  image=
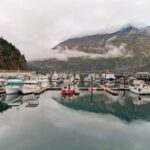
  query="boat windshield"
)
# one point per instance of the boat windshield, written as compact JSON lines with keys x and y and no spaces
{"x":15,"y":84}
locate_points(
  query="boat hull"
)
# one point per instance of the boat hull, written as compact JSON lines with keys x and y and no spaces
{"x":12,"y":90}
{"x":67,"y":92}
{"x":140,"y":91}
{"x":28,"y":90}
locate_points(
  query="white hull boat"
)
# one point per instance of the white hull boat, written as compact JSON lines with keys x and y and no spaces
{"x":143,"y":91}
{"x":139,"y":87}
{"x":12,"y":90}
{"x":28,"y":89}
{"x":13,"y":86}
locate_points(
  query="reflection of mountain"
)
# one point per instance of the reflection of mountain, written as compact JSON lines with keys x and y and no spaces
{"x":123,"y":108}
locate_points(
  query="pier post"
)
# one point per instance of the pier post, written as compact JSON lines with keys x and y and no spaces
{"x":124,"y":80}
{"x":91,"y":92}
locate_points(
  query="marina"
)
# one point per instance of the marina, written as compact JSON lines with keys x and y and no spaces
{"x":107,"y":81}
{"x":67,"y":108}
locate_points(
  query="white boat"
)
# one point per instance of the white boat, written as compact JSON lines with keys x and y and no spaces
{"x":30,"y":86}
{"x":139,"y":87}
{"x":54,"y":77}
{"x":3,"y":83}
{"x":87,"y":79}
{"x":13,"y":86}
{"x":43,"y":84}
{"x":44,"y":81}
{"x":109,"y":78}
{"x":67,"y":88}
{"x":77,"y":78}
{"x":62,"y":77}
{"x":71,"y":77}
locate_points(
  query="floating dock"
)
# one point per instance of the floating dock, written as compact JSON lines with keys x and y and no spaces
{"x":110,"y":90}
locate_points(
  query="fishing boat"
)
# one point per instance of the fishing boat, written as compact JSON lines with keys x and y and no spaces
{"x":30,"y":86}
{"x":87,"y":79}
{"x":44,"y":80}
{"x":71,"y":77}
{"x":62,"y":77}
{"x":139,"y":87}
{"x":54,"y":77}
{"x":77,"y":78}
{"x":13,"y":85}
{"x":109,"y":78}
{"x":67,"y":89}
{"x":3,"y":83}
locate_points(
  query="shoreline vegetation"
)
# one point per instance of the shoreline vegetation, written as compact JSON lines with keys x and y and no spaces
{"x":11,"y":57}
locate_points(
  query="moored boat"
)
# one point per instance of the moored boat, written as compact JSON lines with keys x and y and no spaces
{"x":13,"y":85}
{"x":67,"y":89}
{"x":30,"y":86}
{"x":139,"y":87}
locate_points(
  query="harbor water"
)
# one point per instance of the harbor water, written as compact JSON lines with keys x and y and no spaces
{"x":53,"y":122}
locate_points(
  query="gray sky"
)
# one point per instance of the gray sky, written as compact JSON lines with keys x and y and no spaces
{"x":35,"y":26}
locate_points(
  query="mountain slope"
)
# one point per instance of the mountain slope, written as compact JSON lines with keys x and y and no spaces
{"x":125,"y":50}
{"x":10,"y":57}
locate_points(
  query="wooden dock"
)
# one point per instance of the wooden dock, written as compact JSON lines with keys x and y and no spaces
{"x":87,"y":88}
{"x":110,"y":90}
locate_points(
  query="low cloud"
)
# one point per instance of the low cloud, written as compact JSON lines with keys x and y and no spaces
{"x":111,"y":52}
{"x":37,"y":26}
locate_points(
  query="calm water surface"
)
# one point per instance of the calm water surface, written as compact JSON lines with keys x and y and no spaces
{"x":50,"y":122}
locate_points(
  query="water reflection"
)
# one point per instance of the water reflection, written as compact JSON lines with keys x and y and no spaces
{"x":54,"y":126}
{"x":15,"y":100}
{"x":128,"y":107}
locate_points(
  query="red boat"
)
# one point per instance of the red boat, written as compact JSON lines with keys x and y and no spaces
{"x":67,"y":89}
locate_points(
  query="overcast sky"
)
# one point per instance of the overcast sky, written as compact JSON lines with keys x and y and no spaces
{"x":35,"y":26}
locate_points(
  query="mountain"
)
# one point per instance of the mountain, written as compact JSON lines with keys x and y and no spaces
{"x":10,"y":57}
{"x":127,"y":49}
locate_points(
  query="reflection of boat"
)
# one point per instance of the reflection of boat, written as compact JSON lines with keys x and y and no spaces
{"x":2,"y":97}
{"x":13,"y":86}
{"x":33,"y":103}
{"x":139,"y":87}
{"x":13,"y":100}
{"x":67,"y":98}
{"x":26,"y":98}
{"x":140,"y":99}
